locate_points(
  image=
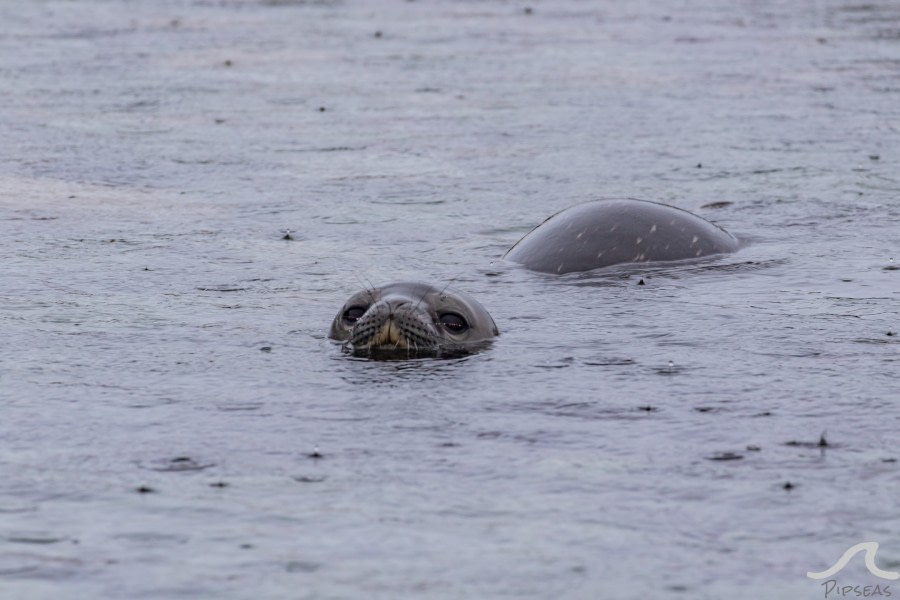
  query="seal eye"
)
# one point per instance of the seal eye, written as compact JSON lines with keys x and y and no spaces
{"x":353,"y":314}
{"x":454,"y":323}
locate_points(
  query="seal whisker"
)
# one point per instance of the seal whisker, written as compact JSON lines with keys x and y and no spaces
{"x":422,"y":297}
{"x":367,"y":285}
{"x":450,"y":282}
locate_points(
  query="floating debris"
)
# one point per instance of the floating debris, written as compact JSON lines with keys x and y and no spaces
{"x":179,"y":464}
{"x":726,"y":456}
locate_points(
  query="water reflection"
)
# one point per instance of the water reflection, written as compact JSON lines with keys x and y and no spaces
{"x":367,"y":372}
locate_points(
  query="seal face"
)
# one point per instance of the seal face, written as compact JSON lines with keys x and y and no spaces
{"x":412,"y":320}
{"x":602,"y":233}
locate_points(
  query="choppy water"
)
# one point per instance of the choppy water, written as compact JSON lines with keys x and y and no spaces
{"x":175,"y":423}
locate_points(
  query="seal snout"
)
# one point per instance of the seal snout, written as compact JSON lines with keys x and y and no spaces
{"x":394,"y":324}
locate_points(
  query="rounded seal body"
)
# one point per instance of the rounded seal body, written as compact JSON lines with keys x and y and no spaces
{"x":602,"y":233}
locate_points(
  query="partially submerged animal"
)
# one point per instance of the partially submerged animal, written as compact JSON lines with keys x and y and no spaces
{"x":407,"y":319}
{"x":603,"y":233}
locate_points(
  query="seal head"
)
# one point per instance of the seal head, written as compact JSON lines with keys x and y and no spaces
{"x":602,"y":233}
{"x":412,"y":320}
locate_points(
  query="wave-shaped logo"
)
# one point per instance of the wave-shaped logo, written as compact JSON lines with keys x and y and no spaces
{"x":870,"y":548}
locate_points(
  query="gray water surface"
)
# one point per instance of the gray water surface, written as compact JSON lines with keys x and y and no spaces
{"x":175,"y":423}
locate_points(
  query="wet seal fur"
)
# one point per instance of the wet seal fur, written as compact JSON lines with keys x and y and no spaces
{"x":602,"y":233}
{"x":412,"y":320}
